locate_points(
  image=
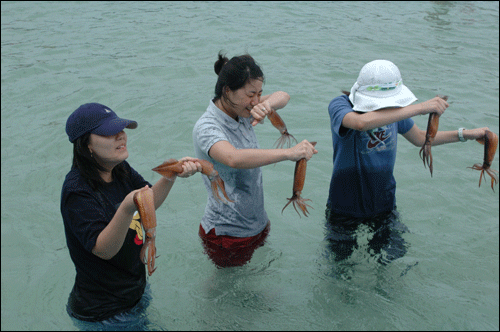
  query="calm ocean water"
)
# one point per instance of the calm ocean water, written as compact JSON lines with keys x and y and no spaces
{"x":153,"y":62}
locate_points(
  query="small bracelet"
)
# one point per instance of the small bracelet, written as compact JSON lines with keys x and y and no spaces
{"x":461,"y":135}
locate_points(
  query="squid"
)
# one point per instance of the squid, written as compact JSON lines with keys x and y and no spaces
{"x":298,"y":184}
{"x":172,"y":167}
{"x":432,"y":129}
{"x":279,"y":124}
{"x":144,"y":201}
{"x":490,"y":142}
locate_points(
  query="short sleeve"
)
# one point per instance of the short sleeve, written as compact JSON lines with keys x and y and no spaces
{"x":207,"y":133}
{"x":337,"y":109}
{"x":405,"y":125}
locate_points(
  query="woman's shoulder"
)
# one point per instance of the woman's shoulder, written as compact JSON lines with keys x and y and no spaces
{"x":74,"y":181}
{"x":209,"y":118}
{"x":75,"y":185}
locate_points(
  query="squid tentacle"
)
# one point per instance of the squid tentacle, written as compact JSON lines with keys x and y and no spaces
{"x":285,"y":139}
{"x":301,"y":202}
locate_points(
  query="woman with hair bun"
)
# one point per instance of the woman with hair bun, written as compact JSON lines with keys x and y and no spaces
{"x":224,"y":136}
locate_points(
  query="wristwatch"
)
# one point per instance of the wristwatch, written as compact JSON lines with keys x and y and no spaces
{"x":461,"y":135}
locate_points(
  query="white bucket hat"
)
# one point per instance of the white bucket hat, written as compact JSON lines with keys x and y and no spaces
{"x":379,"y":85}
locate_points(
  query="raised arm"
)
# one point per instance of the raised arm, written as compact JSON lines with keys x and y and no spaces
{"x":276,"y":100}
{"x":416,"y":136}
{"x":370,"y":120}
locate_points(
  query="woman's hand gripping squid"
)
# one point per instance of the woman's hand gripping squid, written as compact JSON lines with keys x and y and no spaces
{"x":172,"y":167}
{"x":144,"y":201}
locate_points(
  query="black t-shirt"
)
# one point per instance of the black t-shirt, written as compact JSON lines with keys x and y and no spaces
{"x":103,"y":288}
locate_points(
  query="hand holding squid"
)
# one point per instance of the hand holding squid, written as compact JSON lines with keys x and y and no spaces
{"x":432,"y":129}
{"x":298,"y":184}
{"x":144,"y":201}
{"x":490,"y":142}
{"x":172,"y":167}
{"x":260,"y":111}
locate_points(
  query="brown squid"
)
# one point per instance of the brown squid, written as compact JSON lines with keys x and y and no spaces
{"x":172,"y":167}
{"x":279,"y":124}
{"x":490,"y":142}
{"x":299,"y":178}
{"x":144,"y":201}
{"x":432,"y":129}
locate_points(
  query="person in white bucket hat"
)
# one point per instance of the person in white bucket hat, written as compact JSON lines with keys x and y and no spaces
{"x":365,"y":123}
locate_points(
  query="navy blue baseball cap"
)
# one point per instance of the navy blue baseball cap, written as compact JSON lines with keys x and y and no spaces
{"x":96,"y":119}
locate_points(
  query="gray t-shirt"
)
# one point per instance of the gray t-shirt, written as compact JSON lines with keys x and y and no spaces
{"x":246,"y":216}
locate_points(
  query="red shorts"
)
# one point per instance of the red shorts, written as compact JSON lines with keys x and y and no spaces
{"x":226,"y":251}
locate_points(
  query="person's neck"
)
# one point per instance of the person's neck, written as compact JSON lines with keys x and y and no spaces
{"x":220,"y":105}
{"x":106,"y":176}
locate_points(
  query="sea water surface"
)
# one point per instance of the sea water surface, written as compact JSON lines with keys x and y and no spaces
{"x":153,"y":62}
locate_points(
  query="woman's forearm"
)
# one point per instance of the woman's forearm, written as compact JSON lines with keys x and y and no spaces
{"x":225,"y":153}
{"x":161,"y":189}
{"x":278,"y":99}
{"x":252,"y":158}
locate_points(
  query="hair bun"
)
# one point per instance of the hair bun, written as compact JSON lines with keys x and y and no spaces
{"x":221,"y":61}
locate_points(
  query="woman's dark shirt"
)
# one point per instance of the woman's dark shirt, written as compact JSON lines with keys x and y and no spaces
{"x":103,"y":288}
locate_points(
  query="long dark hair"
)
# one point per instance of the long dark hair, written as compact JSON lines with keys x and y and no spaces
{"x":84,"y":161}
{"x":234,"y":74}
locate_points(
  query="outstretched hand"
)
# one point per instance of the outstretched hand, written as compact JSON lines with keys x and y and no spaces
{"x":477,"y":134}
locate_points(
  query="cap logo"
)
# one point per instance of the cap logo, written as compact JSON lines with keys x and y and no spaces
{"x":107,"y":111}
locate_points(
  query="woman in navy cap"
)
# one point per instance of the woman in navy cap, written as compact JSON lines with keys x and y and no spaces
{"x":97,"y":207}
